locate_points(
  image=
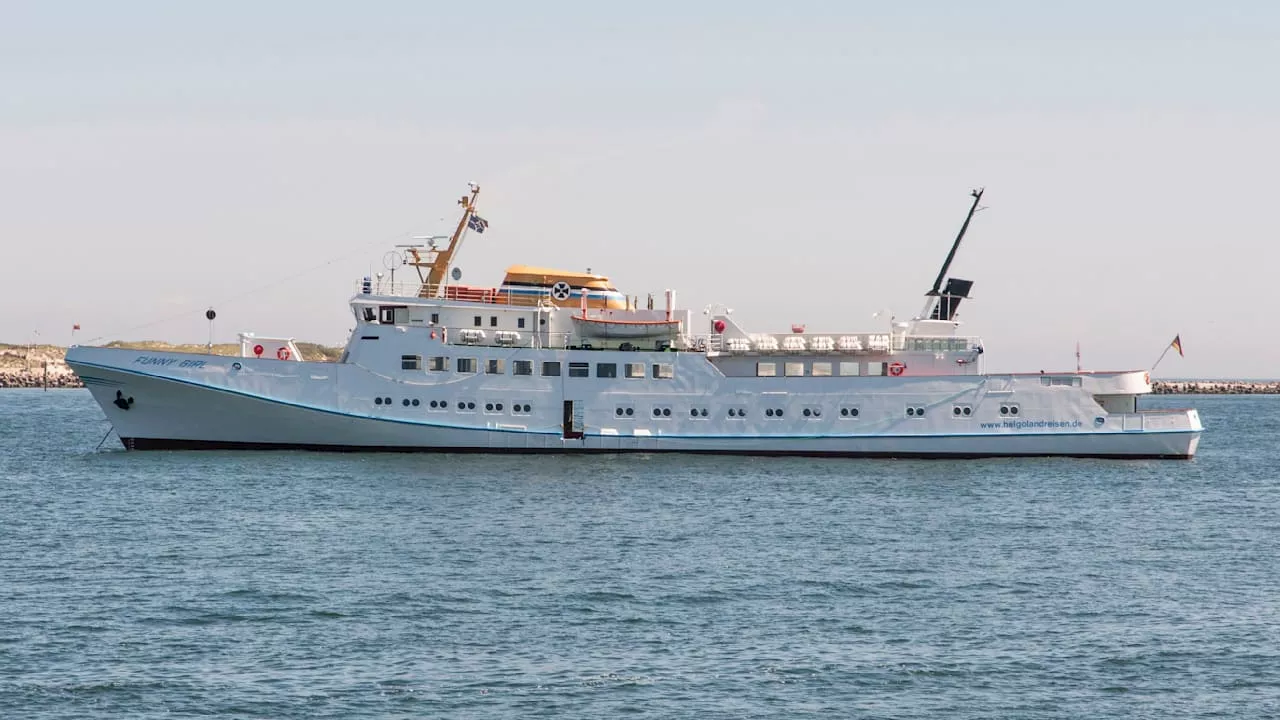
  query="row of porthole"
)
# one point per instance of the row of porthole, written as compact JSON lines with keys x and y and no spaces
{"x":444,"y":405}
{"x":964,"y":410}
{"x":770,"y":412}
{"x":1008,"y":409}
{"x":915,"y":412}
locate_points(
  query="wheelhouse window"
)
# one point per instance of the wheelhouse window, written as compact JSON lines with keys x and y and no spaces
{"x":579,"y":369}
{"x":493,"y":366}
{"x":438,"y":363}
{"x":466,"y":365}
{"x":877,"y":368}
{"x":766,"y":369}
{"x":821,"y":369}
{"x":521,"y":367}
{"x":606,"y":370}
{"x":635,"y":370}
{"x":479,"y":321}
{"x":848,"y":368}
{"x":551,"y":368}
{"x":664,"y":371}
{"x":793,"y":369}
{"x":393,"y":315}
{"x":410,"y":362}
{"x":493,"y":321}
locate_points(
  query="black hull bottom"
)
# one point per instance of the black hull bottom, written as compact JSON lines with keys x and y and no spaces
{"x":179,"y":444}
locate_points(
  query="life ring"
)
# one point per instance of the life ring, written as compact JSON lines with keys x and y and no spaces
{"x":897,"y":368}
{"x":282,"y":353}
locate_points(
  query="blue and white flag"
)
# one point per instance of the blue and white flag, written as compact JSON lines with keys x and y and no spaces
{"x":477,"y":223}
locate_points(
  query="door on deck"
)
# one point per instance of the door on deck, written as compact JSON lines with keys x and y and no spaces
{"x":572,"y":422}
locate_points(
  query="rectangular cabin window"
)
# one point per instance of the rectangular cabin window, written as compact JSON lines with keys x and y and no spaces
{"x":438,"y":363}
{"x":493,"y":321}
{"x":793,"y":369}
{"x":410,"y":362}
{"x":393,"y":315}
{"x":521,"y":367}
{"x":635,"y":370}
{"x":435,"y":318}
{"x":766,"y":369}
{"x":877,"y":368}
{"x":520,"y":323}
{"x":579,"y":369}
{"x":493,"y":366}
{"x":606,"y":370}
{"x":479,"y":321}
{"x":822,"y":369}
{"x":664,"y":371}
{"x":848,"y":368}
{"x":551,"y":368}
{"x":466,"y":365}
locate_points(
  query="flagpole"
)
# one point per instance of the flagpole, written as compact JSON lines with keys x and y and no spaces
{"x":1166,"y":352}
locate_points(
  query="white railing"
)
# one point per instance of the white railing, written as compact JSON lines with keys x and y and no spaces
{"x":262,"y":346}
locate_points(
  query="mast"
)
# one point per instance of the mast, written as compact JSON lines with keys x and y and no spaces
{"x":946,"y":265}
{"x":440,"y":266}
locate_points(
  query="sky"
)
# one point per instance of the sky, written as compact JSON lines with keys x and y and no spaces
{"x":799,"y":162}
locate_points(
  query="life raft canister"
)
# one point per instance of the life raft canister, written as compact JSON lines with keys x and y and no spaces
{"x":283,"y":353}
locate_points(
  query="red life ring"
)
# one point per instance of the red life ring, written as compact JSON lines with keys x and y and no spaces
{"x":257,"y":350}
{"x":282,"y":353}
{"x":718,"y":326}
{"x":897,"y":368}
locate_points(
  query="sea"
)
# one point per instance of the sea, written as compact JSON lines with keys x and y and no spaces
{"x":316,"y":585}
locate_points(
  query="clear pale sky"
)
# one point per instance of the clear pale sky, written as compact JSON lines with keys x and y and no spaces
{"x":799,"y":162}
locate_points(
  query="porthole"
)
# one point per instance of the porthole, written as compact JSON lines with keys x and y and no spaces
{"x":498,"y":407}
{"x":631,"y":411}
{"x":386,"y":401}
{"x":618,"y":412}
{"x":956,"y":410}
{"x":488,"y":407}
{"x":911,"y":412}
{"x":434,"y":404}
{"x":844,"y":412}
{"x":817,"y":412}
{"x":405,"y":402}
{"x":415,"y":402}
{"x":778,"y":412}
{"x":377,"y":401}
{"x":853,"y":412}
{"x":657,"y":412}
{"x":1013,"y":409}
{"x":704,"y":412}
{"x":666,"y":412}
{"x":693,"y":412}
{"x":471,"y":406}
{"x":768,"y":412}
{"x":808,"y":412}
{"x":968,"y":410}
{"x":444,"y":403}
{"x":527,"y":408}
{"x":919,"y":412}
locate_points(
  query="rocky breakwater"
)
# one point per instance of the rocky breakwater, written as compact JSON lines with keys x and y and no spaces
{"x":34,"y":366}
{"x":1216,"y":387}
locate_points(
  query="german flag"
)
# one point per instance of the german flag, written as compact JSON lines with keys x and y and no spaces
{"x":1177,"y":344}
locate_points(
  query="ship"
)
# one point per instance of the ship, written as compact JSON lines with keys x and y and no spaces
{"x":555,"y":361}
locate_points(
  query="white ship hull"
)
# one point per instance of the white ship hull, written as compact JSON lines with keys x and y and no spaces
{"x":183,"y":401}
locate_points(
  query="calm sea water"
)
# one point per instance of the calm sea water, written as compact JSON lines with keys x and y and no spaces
{"x":300,"y":585}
